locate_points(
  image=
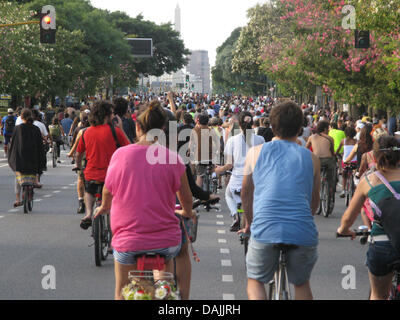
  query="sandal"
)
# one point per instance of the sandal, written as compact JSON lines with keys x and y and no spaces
{"x":86,"y":223}
{"x":18,"y":204}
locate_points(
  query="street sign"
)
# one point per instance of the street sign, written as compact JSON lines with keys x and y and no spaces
{"x":141,"y":47}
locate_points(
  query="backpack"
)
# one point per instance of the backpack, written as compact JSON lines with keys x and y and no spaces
{"x":387,"y":214}
{"x":10,"y":124}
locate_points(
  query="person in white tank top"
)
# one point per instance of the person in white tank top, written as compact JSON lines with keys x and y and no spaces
{"x":348,"y":145}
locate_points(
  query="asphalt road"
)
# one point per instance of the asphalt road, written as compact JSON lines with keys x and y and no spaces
{"x":51,"y":236}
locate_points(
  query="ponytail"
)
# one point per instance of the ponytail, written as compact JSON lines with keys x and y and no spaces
{"x":387,"y":152}
{"x":152,"y":116}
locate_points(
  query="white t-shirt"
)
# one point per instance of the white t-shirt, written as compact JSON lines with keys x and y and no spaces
{"x":211,"y":112}
{"x":18,"y":121}
{"x":237,"y":148}
{"x":42,"y":128}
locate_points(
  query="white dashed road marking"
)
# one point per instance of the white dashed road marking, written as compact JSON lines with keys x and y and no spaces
{"x":221,"y":240}
{"x":221,"y":231}
{"x":228,"y":296}
{"x":224,"y":251}
{"x":220,"y":223}
{"x":226,"y":263}
{"x":227,"y":278}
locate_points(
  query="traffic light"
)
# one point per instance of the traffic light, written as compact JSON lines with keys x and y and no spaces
{"x":241,"y":83}
{"x":362,"y":39}
{"x":48,"y":25}
{"x":192,"y":85}
{"x":187,"y":78}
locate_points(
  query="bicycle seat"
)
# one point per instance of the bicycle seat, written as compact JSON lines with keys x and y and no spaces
{"x":285,"y":247}
{"x":395,"y":266}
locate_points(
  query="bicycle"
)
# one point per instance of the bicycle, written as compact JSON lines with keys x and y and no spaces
{"x":349,"y":188}
{"x":279,"y":287}
{"x":365,"y":236}
{"x":27,"y":196}
{"x":101,"y":227}
{"x":327,"y":197}
{"x":54,"y":153}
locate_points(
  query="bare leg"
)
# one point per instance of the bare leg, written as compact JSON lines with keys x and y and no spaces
{"x":380,"y":286}
{"x":121,"y":278}
{"x":89,"y":202}
{"x":256,"y":290}
{"x":303,"y":292}
{"x":184,"y":271}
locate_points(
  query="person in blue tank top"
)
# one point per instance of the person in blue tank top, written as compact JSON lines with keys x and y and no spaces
{"x":280,"y":195}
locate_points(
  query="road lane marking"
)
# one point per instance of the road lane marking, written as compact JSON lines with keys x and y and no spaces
{"x":226,"y":263}
{"x":224,"y":251}
{"x":13,"y":210}
{"x":220,"y":223}
{"x":228,"y":296}
{"x":220,"y":216}
{"x":64,"y":188}
{"x":37,"y":200}
{"x":47,"y":196}
{"x":57,"y":191}
{"x":222,"y":241}
{"x":221,"y":231}
{"x":1,"y":217}
{"x":227,"y":278}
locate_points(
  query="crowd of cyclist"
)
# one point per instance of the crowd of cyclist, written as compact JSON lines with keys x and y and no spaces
{"x":262,"y":142}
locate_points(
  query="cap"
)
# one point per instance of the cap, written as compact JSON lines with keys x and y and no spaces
{"x":10,"y":110}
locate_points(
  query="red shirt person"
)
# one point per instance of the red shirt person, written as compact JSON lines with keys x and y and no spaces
{"x":99,"y":142}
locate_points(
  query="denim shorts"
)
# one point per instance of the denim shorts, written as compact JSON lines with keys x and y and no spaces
{"x":129,"y":258}
{"x":262,"y":261}
{"x":380,"y":254}
{"x":7,"y":139}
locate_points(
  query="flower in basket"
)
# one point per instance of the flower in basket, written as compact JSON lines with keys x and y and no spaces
{"x":141,"y":295}
{"x":128,"y":293}
{"x":161,"y":293}
{"x":174,"y":295}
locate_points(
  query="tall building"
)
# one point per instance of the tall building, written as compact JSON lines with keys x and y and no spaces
{"x":178,"y":24}
{"x":199,"y":65}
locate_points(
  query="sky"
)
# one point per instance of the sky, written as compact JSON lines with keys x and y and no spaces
{"x":206,"y":24}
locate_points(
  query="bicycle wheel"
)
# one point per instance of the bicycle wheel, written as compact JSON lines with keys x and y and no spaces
{"x":54,"y":155}
{"x":97,"y":231}
{"x":325,"y":201}
{"x":30,"y":199}
{"x":348,"y":190}
{"x":105,"y":237}
{"x":25,"y":195}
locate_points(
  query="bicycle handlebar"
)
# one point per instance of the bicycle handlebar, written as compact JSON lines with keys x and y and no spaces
{"x":358,"y":234}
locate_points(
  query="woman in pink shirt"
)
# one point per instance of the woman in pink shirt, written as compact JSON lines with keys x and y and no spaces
{"x":140,"y":189}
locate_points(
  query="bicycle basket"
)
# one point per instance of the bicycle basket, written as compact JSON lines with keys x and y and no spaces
{"x":151,"y":285}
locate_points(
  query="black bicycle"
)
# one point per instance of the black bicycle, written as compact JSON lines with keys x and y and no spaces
{"x":54,"y":153}
{"x":350,"y":187}
{"x":101,"y":229}
{"x":27,"y":196}
{"x":327,"y":196}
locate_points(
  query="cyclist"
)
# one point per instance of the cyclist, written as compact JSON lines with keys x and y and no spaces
{"x":323,"y":147}
{"x":56,"y":133}
{"x":7,"y":128}
{"x":25,"y":155}
{"x":381,"y":252}
{"x":348,"y":145}
{"x":281,"y":185}
{"x":235,"y":156}
{"x":99,"y":144}
{"x":203,"y":146}
{"x":141,"y":222}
